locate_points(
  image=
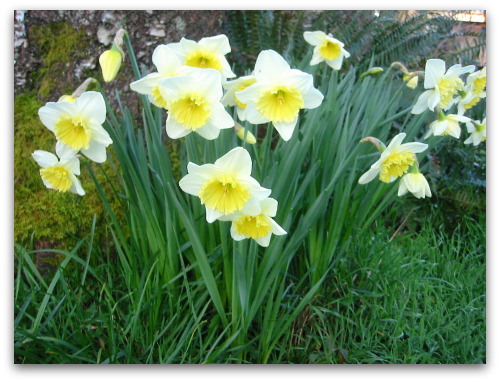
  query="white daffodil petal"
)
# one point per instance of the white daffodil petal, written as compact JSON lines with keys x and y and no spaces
{"x":276,"y":228}
{"x":270,"y":66}
{"x":220,"y":117}
{"x":212,"y":215}
{"x":236,"y":162}
{"x":76,"y":186}
{"x":285,"y":129}
{"x":210,"y":131}
{"x":63,"y":151}
{"x":235,"y":236}
{"x":315,"y":38}
{"x":44,"y":158}
{"x":174,"y":129}
{"x":219,"y":44}
{"x":368,"y":176}
{"x":434,"y":70}
{"x":269,"y":206}
{"x":422,"y":103}
{"x":96,"y":152}
{"x":92,"y":106}
{"x":264,"y":241}
{"x":313,"y":98}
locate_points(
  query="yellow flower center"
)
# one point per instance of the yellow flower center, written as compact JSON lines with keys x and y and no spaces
{"x":224,"y":194}
{"x":447,"y":89}
{"x":203,"y":59}
{"x":253,"y":227}
{"x":158,"y":99}
{"x":243,"y":86}
{"x":73,"y":132}
{"x":281,"y":104}
{"x":479,"y":84}
{"x":57,"y":177}
{"x":472,"y":103}
{"x":329,"y":50}
{"x":396,"y":165}
{"x":191,"y":111}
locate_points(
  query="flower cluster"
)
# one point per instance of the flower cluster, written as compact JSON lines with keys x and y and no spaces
{"x":76,"y":122}
{"x":229,"y":193}
{"x":445,"y":89}
{"x":395,"y":161}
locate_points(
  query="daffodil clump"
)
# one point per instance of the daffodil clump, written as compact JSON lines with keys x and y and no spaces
{"x":447,"y":90}
{"x":76,"y":121}
{"x":229,"y":193}
{"x":195,"y":87}
{"x":398,"y":160}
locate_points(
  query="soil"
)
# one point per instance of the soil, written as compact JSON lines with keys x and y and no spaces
{"x":147,"y":29}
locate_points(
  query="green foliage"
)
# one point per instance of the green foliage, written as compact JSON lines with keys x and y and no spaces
{"x":61,"y":47}
{"x":418,"y":299}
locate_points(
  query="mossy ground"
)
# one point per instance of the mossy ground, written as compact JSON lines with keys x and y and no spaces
{"x":45,"y":218}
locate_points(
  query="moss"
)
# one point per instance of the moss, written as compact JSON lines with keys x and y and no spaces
{"x":61,"y":46}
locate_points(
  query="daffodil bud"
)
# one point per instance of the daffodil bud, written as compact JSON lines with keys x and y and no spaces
{"x":411,"y":80}
{"x":67,"y":98}
{"x":240,"y":132}
{"x":110,"y":62}
{"x":371,"y":72}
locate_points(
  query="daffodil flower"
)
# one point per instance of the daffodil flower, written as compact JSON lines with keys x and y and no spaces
{"x":477,"y":132}
{"x":474,"y":91}
{"x":278,"y":94}
{"x":208,"y":53}
{"x":416,"y":183}
{"x":442,"y":85}
{"x":78,"y":124}
{"x":326,"y":48}
{"x":257,"y":227}
{"x":194,"y":104}
{"x":395,"y":160}
{"x":447,"y":125}
{"x":60,"y":173}
{"x":168,"y":65}
{"x":230,"y":98}
{"x":226,"y":186}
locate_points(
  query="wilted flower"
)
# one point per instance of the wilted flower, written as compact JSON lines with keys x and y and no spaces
{"x":447,"y":125}
{"x":326,"y":48}
{"x":168,"y":65}
{"x":279,"y":94}
{"x":226,"y":186}
{"x":395,"y":160}
{"x":208,"y":53}
{"x":416,"y":183}
{"x":194,"y":104}
{"x":443,"y":85}
{"x":477,"y":132}
{"x":78,"y":124}
{"x":230,"y":98}
{"x":257,"y":227}
{"x":60,"y":173}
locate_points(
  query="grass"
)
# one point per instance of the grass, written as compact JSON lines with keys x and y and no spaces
{"x":419,"y":298}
